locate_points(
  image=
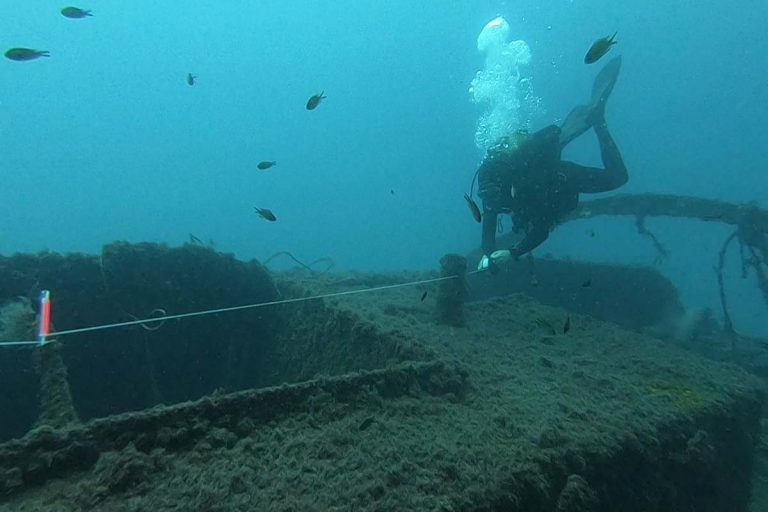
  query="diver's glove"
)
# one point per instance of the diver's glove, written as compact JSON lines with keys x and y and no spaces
{"x":493,"y":262}
{"x":484,"y":264}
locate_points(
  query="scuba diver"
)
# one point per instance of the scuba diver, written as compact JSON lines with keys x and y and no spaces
{"x":528,"y":179}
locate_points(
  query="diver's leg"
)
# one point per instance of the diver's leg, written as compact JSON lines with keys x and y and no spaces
{"x":591,"y":180}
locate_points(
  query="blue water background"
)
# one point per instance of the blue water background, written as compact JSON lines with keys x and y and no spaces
{"x":105,"y":140}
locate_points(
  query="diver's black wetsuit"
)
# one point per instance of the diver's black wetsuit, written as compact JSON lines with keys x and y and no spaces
{"x":538,"y":188}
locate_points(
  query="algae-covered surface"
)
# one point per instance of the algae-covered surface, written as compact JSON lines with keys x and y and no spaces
{"x":596,"y":418}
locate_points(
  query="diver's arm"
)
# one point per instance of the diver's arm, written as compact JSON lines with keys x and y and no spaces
{"x":488,"y":243}
{"x":489,"y":185}
{"x":534,"y":238}
{"x":593,"y":180}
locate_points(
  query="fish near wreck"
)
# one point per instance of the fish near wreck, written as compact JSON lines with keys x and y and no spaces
{"x":473,"y":208}
{"x":315,"y":100}
{"x":266,"y":214}
{"x":75,"y":13}
{"x":22,"y":54}
{"x":599,"y":48}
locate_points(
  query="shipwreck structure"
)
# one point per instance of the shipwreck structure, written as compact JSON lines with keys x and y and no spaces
{"x":353,"y":390}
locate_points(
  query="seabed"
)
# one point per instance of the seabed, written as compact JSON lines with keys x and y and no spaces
{"x":365,"y":401}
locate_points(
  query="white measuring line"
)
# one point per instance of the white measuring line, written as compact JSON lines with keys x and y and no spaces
{"x":224,"y":310}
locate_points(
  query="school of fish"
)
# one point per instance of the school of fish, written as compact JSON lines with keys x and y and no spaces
{"x":596,"y":51}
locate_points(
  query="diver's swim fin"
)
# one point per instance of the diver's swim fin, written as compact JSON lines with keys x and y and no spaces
{"x":578,"y":120}
{"x":575,"y":124}
{"x":604,"y":82}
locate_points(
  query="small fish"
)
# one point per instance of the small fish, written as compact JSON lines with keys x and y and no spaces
{"x":367,"y":422}
{"x":392,"y":191}
{"x":191,"y":79}
{"x":423,"y":295}
{"x":587,"y":283}
{"x":21,"y":54}
{"x":567,"y":326}
{"x":473,"y":208}
{"x":315,"y":100}
{"x":265,"y":213}
{"x":600,"y":48}
{"x":266,"y":164}
{"x":591,"y":233}
{"x":194,"y":240}
{"x":75,"y":12}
